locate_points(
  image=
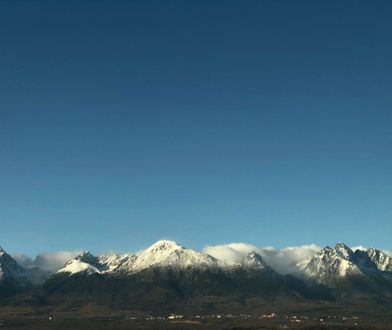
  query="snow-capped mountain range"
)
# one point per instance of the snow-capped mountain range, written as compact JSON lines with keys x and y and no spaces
{"x":382,"y":261}
{"x":162,"y":254}
{"x":331,"y":265}
{"x":328,"y":266}
{"x":167,"y":276}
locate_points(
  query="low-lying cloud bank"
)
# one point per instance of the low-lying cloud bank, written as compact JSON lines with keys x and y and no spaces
{"x":282,"y":260}
{"x":50,"y":261}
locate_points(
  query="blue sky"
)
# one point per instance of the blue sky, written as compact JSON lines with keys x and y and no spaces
{"x":206,"y":122}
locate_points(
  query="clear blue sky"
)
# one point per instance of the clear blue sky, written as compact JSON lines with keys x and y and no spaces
{"x":124,"y":122}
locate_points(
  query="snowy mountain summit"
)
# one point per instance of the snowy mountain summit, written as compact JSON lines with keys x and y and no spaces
{"x":83,"y":263}
{"x":344,"y":251}
{"x":162,"y":254}
{"x":170,"y":254}
{"x":330,"y":265}
{"x":381,"y":260}
{"x":255,"y":261}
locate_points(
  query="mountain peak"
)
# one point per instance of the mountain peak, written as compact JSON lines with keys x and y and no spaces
{"x":84,"y":262}
{"x":330,"y":265}
{"x":84,"y":255}
{"x":165,"y":253}
{"x":382,"y":261}
{"x":165,"y":245}
{"x":254,"y":260}
{"x":344,"y":251}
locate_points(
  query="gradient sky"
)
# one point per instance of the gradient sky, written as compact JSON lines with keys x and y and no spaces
{"x":206,"y":122}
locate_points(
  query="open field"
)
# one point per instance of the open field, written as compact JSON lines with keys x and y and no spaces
{"x":107,"y":323}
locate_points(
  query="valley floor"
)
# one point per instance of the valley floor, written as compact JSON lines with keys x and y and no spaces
{"x":294,"y":317}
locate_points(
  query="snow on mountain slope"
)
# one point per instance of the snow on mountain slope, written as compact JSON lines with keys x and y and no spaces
{"x":249,"y":260}
{"x":117,"y":262}
{"x":327,"y":267}
{"x":344,"y":251}
{"x":255,"y":261}
{"x":162,"y":254}
{"x":380,"y":259}
{"x":83,"y":263}
{"x":330,"y":265}
{"x":170,"y":254}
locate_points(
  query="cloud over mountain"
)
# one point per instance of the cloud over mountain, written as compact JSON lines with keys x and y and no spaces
{"x":282,"y":260}
{"x":231,"y":253}
{"x":50,"y":261}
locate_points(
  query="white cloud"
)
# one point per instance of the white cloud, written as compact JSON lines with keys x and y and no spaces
{"x":285,"y":260}
{"x":50,"y":261}
{"x":231,"y":253}
{"x":282,"y":260}
{"x":359,"y":247}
